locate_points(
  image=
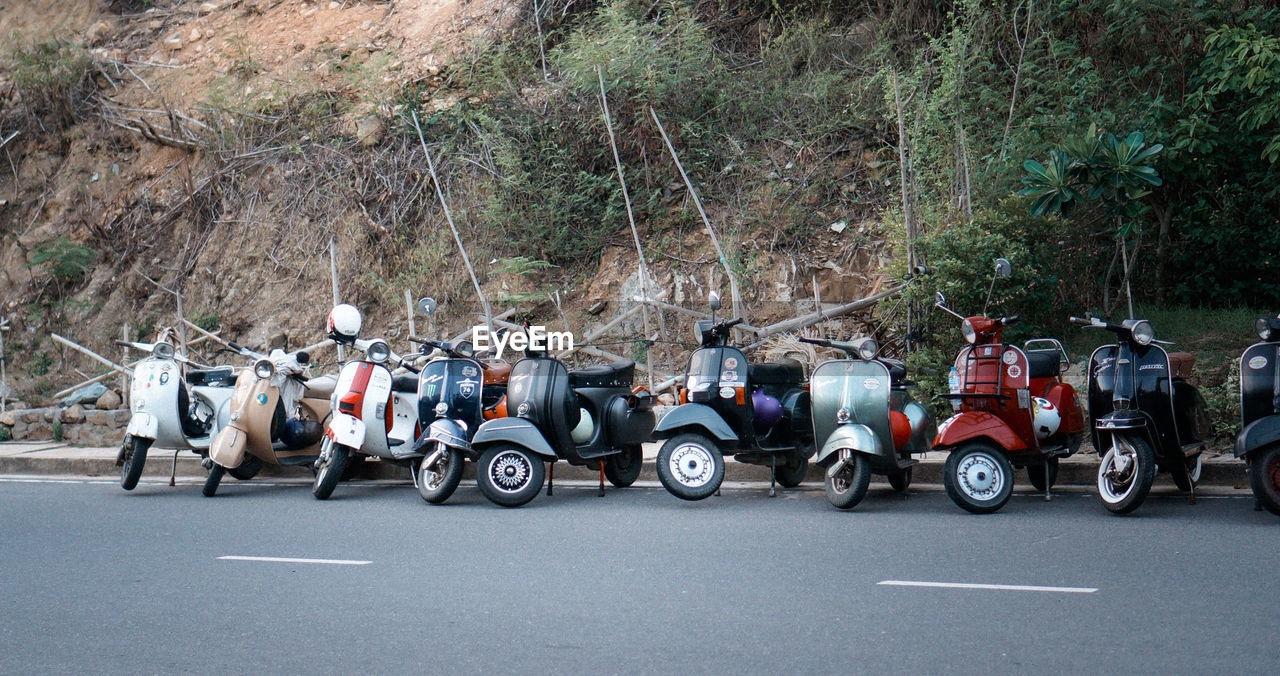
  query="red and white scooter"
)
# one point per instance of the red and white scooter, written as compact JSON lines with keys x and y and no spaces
{"x":374,"y":411}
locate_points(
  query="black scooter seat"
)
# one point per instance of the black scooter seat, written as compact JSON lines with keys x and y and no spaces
{"x":615,"y":374}
{"x":1044,"y":363}
{"x":404,"y":383}
{"x":215,"y":377}
{"x":782,"y":372}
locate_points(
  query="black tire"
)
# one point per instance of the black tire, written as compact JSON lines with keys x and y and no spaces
{"x":1035,"y":472}
{"x":211,"y":482}
{"x":690,"y":466}
{"x":437,"y":483}
{"x":792,"y":472}
{"x":1188,"y":474}
{"x":1264,"y":477}
{"x":849,"y":486}
{"x":248,"y":469}
{"x":978,"y":478}
{"x":135,"y":456}
{"x":329,"y":473}
{"x":622,"y":469}
{"x":900,"y":481}
{"x":510,"y":476}
{"x":1123,"y":492}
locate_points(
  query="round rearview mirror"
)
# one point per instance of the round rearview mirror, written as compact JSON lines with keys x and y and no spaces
{"x":939,"y":299}
{"x":713,"y":299}
{"x":465,"y":348}
{"x":1003,"y":267}
{"x":426,"y":306}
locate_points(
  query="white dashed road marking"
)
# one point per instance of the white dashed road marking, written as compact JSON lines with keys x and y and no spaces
{"x":997,"y":587}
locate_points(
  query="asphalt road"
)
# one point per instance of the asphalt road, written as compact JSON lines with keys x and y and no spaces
{"x":103,"y":581}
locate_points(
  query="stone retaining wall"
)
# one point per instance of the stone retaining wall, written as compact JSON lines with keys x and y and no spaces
{"x":77,"y":425}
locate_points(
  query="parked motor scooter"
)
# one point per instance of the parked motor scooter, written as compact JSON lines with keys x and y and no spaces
{"x":588,"y":417}
{"x":1015,"y":411}
{"x":164,"y":414}
{"x":277,"y":416}
{"x":1145,"y":414}
{"x":757,"y":412}
{"x":375,"y":413}
{"x":1259,"y":438}
{"x":456,"y":392}
{"x":865,"y":420}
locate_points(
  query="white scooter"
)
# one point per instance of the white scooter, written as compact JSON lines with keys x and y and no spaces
{"x":164,"y":415}
{"x":374,"y":413}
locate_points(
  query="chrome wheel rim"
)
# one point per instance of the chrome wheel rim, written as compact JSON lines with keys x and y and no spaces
{"x":1118,"y":472}
{"x":510,"y":471}
{"x":692,"y":465}
{"x":979,"y":476}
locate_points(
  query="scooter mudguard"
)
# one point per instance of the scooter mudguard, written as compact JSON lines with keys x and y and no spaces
{"x":1122,"y":420}
{"x":970,"y":425}
{"x":144,"y":425}
{"x":228,"y":447}
{"x":923,"y":427}
{"x":854,"y":437}
{"x":346,"y":430}
{"x":698,"y":416}
{"x":444,"y":431}
{"x":1257,"y":434}
{"x":516,"y":431}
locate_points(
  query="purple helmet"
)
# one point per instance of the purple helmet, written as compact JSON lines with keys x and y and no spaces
{"x":768,"y":411}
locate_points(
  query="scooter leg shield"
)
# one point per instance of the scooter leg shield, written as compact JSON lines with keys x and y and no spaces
{"x":228,"y":447}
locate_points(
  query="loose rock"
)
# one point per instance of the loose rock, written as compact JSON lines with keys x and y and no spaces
{"x":109,"y":401}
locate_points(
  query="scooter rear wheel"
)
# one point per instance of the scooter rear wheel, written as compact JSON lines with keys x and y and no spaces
{"x":248,"y":469}
{"x":690,"y":466}
{"x":978,"y":478}
{"x":849,"y":486}
{"x":792,"y":471}
{"x":1123,"y":489}
{"x":1189,"y":474}
{"x":900,"y":481}
{"x":330,"y":471}
{"x":438,"y":482}
{"x":1035,"y":472}
{"x":1264,"y":477}
{"x":135,"y":456}
{"x":622,"y":469}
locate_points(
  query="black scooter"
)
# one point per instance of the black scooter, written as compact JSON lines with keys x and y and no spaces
{"x":1145,"y":414}
{"x":1259,"y":440}
{"x":757,"y":412}
{"x":588,"y":417}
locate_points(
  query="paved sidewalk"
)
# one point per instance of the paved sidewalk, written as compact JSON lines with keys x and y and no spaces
{"x":53,"y":458}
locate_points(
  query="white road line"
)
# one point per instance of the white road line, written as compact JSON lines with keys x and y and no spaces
{"x":278,"y":559}
{"x":997,"y":587}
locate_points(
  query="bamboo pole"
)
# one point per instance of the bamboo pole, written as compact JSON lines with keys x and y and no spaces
{"x":601,"y":331}
{"x":691,"y":312}
{"x":408,"y":305}
{"x":738,"y":309}
{"x":484,"y":302}
{"x":76,"y":346}
{"x":592,"y":351}
{"x":95,"y":379}
{"x":333,"y":280}
{"x":822,"y":315}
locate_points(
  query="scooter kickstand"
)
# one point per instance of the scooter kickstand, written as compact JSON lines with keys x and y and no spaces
{"x":551,"y":478}
{"x":173,"y":471}
{"x":1047,"y":487}
{"x":601,"y":493}
{"x":773,"y":476}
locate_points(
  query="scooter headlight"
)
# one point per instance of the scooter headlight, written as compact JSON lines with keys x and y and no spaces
{"x":378,"y":351}
{"x":867,"y":349}
{"x":970,"y":333}
{"x":1142,"y":332}
{"x":264,"y":369}
{"x":163,"y":350}
{"x":1264,"y":328}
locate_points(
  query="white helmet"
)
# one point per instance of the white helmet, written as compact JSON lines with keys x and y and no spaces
{"x":344,"y":323}
{"x":1045,"y":417}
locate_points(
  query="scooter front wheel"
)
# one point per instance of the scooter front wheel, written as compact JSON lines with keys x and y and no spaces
{"x":135,"y":456}
{"x":211,"y":482}
{"x":1125,"y":474}
{"x":848,"y":486}
{"x":690,"y":466}
{"x":510,"y":476}
{"x":1264,"y":477}
{"x":333,"y":458}
{"x":978,"y":478}
{"x":437,"y":482}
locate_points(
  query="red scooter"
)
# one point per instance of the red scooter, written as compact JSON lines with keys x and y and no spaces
{"x":1014,"y":410}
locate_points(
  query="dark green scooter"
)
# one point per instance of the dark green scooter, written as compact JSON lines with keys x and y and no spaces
{"x":865,"y":421}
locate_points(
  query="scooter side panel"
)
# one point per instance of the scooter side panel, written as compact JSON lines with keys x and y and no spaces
{"x":697,"y":416}
{"x":1063,"y":398}
{"x":513,"y":431}
{"x":971,"y":425}
{"x":855,"y":437}
{"x":1257,"y":434}
{"x":924,"y":428}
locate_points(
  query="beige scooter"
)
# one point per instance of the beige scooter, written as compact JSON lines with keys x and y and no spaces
{"x":277,"y":415}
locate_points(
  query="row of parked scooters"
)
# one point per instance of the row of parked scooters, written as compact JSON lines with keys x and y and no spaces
{"x":441,"y":406}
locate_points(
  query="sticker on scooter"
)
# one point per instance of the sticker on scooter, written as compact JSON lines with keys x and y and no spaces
{"x":164,"y":377}
{"x":731,"y":363}
{"x":469,"y":371}
{"x":726,"y":393}
{"x":1258,"y":362}
{"x":523,"y":409}
{"x":467,"y":388}
{"x":730,"y":376}
{"x":1010,"y":357}
{"x":262,"y":398}
{"x":871,"y":384}
{"x":1015,"y":370}
{"x":435,"y":377}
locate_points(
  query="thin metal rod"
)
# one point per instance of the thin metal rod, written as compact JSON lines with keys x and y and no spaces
{"x":333,"y":278}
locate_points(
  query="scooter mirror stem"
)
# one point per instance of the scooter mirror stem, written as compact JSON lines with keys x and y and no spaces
{"x":1003,"y":269}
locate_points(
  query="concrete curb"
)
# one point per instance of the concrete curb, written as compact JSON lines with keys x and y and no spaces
{"x":52,"y":459}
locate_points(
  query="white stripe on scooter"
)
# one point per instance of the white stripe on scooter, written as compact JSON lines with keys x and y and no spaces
{"x":997,"y":587}
{"x":278,"y":559}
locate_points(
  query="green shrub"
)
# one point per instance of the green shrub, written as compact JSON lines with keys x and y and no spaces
{"x":52,"y":78}
{"x":62,"y":260}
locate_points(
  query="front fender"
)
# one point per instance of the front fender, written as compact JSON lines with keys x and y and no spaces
{"x":143,"y":424}
{"x":1123,"y":420}
{"x":445,"y":431}
{"x":346,"y":430}
{"x":1257,"y":434}
{"x":228,"y":446}
{"x":854,"y":437}
{"x":516,"y":431}
{"x":694,"y":415}
{"x":969,"y":425}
